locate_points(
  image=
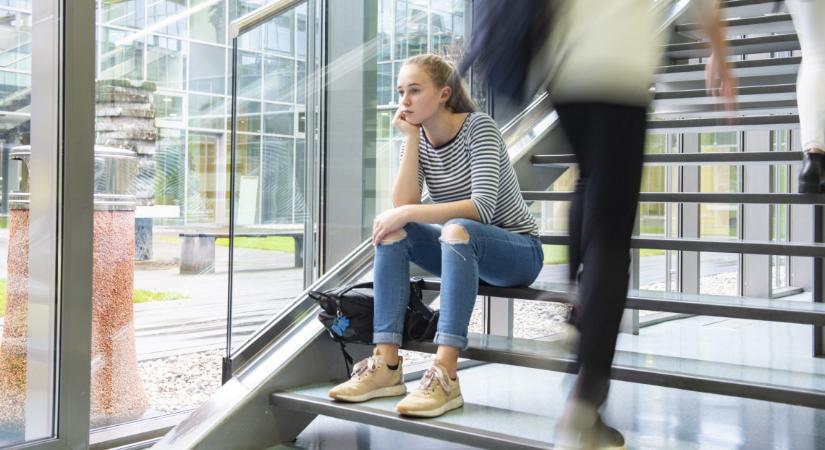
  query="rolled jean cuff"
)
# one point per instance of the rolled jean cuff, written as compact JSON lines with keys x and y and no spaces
{"x":387,"y":338}
{"x":450,"y":340}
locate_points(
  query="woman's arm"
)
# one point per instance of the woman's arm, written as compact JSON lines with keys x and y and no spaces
{"x":396,"y":218}
{"x":717,"y":67}
{"x":406,"y":189}
{"x":441,"y":212}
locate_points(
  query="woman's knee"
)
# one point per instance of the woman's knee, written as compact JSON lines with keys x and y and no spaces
{"x":456,"y":231}
{"x":395,"y":236}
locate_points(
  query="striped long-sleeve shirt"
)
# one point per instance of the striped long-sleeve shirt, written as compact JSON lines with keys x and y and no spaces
{"x":474,"y":165}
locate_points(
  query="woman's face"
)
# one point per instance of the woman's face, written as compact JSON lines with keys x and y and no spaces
{"x":418,"y":97}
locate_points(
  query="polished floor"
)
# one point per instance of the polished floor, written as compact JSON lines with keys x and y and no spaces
{"x":649,"y":416}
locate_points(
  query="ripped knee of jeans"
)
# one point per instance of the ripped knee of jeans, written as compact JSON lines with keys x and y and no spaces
{"x":394,"y":237}
{"x":454,"y":234}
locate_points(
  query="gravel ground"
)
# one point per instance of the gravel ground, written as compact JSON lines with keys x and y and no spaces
{"x":181,"y":382}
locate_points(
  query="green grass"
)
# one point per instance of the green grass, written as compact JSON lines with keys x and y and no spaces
{"x":277,"y":243}
{"x":4,"y":221}
{"x":555,"y":254}
{"x":138,"y":296}
{"x":2,"y":298}
{"x":145,"y":295}
{"x":169,"y":239}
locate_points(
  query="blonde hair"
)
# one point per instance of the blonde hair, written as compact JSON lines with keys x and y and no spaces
{"x":443,"y":73}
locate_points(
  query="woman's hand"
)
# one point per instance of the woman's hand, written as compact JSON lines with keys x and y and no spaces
{"x":399,"y":121}
{"x":717,"y":69}
{"x":387,"y":222}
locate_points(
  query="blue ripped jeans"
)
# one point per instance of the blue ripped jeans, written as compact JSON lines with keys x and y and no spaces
{"x":494,"y":255}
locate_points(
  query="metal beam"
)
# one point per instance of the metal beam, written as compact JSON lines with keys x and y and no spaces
{"x":698,"y":197}
{"x":720,"y":246}
{"x":694,"y":158}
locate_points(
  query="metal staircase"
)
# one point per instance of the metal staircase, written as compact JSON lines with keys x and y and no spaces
{"x":285,"y":370}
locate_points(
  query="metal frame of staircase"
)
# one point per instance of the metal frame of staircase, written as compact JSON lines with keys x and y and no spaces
{"x":284,"y":370}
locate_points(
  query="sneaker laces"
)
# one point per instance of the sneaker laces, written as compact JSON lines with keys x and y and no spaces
{"x":365,"y":365}
{"x":433,"y":375}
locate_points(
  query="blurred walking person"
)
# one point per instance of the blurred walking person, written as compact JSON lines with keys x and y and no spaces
{"x":604,"y":54}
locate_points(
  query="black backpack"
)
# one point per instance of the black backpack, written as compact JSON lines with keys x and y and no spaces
{"x":507,"y":36}
{"x":347,"y":314}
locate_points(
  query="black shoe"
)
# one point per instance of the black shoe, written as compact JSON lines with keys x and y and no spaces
{"x":582,"y":429}
{"x":812,"y":174}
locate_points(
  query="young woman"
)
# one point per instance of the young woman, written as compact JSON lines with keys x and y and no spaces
{"x":477,"y":228}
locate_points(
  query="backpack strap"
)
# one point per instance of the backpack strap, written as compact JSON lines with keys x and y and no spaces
{"x":347,"y":358}
{"x":366,"y":284}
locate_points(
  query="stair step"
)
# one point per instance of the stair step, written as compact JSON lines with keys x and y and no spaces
{"x":696,"y":197}
{"x":474,"y":424}
{"x":772,"y":23}
{"x":760,"y":383}
{"x":752,"y":100}
{"x":748,"y":93}
{"x":689,"y":158}
{"x":787,"y":67}
{"x":716,"y":246}
{"x":788,"y":311}
{"x":741,"y":46}
{"x":718,"y":112}
{"x":748,"y":8}
{"x":739,"y":123}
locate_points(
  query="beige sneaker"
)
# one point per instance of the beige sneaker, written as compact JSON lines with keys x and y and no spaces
{"x":435,"y":395}
{"x":371,"y":378}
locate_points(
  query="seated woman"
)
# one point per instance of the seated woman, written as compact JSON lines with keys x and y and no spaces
{"x":478,"y":228}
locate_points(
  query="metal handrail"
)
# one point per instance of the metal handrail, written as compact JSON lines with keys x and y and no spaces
{"x":249,"y":21}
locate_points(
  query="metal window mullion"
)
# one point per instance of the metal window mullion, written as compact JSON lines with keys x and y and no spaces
{"x":740,"y":220}
{"x":75,"y":215}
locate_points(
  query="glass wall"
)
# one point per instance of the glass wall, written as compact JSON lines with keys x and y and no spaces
{"x":719,"y":272}
{"x":780,"y":217}
{"x":658,"y":269}
{"x":407,"y":28}
{"x":163,"y":94}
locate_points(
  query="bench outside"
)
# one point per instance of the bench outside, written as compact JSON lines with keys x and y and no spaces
{"x":197,"y":249}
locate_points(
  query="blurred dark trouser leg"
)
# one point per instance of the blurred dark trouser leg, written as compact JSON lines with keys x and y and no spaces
{"x":608,"y":140}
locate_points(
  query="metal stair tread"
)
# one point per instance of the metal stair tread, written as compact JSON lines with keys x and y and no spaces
{"x":790,"y":311}
{"x":695,"y":197}
{"x":474,"y":424}
{"x":762,"y":383}
{"x":746,"y":94}
{"x":713,"y":245}
{"x":776,"y":23}
{"x":766,"y":66}
{"x":737,"y":46}
{"x":690,"y":158}
{"x":782,"y":121}
{"x":745,"y":8}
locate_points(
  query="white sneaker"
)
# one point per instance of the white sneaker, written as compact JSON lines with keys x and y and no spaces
{"x":371,"y":378}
